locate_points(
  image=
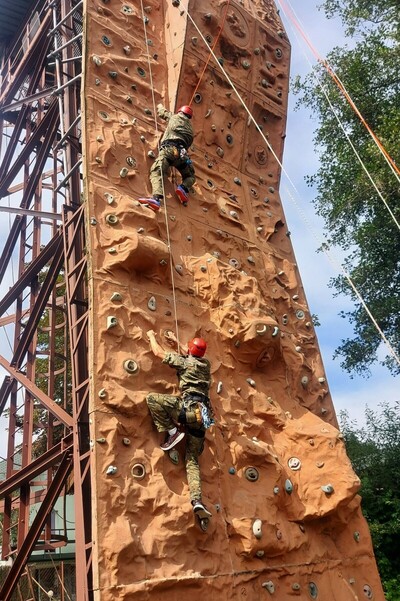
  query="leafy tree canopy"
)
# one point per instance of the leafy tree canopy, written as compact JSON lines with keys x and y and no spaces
{"x":355,"y":217}
{"x":374,"y":451}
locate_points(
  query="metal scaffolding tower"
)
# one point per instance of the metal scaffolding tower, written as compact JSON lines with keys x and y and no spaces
{"x":43,"y":298}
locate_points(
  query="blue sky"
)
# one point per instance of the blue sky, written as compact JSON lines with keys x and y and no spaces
{"x":316,"y":269}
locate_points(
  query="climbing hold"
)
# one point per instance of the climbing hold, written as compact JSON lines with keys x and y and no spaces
{"x":116,"y":297}
{"x":298,"y":349}
{"x":251,"y":382}
{"x":126,"y":442}
{"x":260,"y":553}
{"x":234,"y":263}
{"x":251,"y":260}
{"x":234,"y":215}
{"x":124,"y":172}
{"x":324,"y":411}
{"x":220,"y":152}
{"x":352,"y":580}
{"x":219,"y":387}
{"x":197,"y":98}
{"x":367,"y":590}
{"x":279,"y":534}
{"x":152,"y":303}
{"x":300,"y":314}
{"x":261,"y":330}
{"x":97,"y":60}
{"x":111,"y":470}
{"x":98,"y":160}
{"x":232,"y":471}
{"x":173,"y":454}
{"x":328,"y":489}
{"x":194,"y":40}
{"x":140,"y":230}
{"x":163,"y":262}
{"x":295,"y":296}
{"x":101,"y":440}
{"x":97,"y":81}
{"x":127,"y":10}
{"x":203,"y":268}
{"x":109,"y":198}
{"x":256,"y":51}
{"x":151,"y":154}
{"x":278,"y":52}
{"x":112,"y":321}
{"x":179,"y":269}
{"x":138,"y":471}
{"x":112,"y":250}
{"x":304,"y":381}
{"x":356,"y":536}
{"x":237,"y":181}
{"x":321,"y":380}
{"x":264,"y":83}
{"x":93,"y":221}
{"x":106,"y":41}
{"x":269,"y":586}
{"x":113,"y":74}
{"x":111,"y":219}
{"x":246,"y":65}
{"x":229,"y":139}
{"x":313,"y":590}
{"x":294,"y":463}
{"x":276,"y":490}
{"x":257,"y":528}
{"x":131,"y":366}
{"x":295,"y":586}
{"x":260,"y":228}
{"x":302,"y":527}
{"x":285,"y":319}
{"x":131,"y":161}
{"x":251,"y":474}
{"x":308,"y":324}
{"x":288,"y":486}
{"x":127,"y":50}
{"x":141,"y":71}
{"x":102,"y":393}
{"x":275,"y":331}
{"x":237,"y":344}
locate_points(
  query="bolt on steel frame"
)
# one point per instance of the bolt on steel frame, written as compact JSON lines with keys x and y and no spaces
{"x":43,"y":308}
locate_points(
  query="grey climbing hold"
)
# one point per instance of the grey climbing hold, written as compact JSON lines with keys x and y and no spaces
{"x":219,"y":387}
{"x":352,"y":580}
{"x":102,"y":393}
{"x":257,"y":528}
{"x":251,"y":474}
{"x":111,"y":219}
{"x":124,"y":172}
{"x":97,"y":60}
{"x":328,"y":489}
{"x":101,"y":440}
{"x":163,"y":262}
{"x":127,"y":10}
{"x":251,"y":260}
{"x":152,"y":303}
{"x":269,"y":586}
{"x":237,"y":343}
{"x":295,"y":586}
{"x":278,"y":51}
{"x":112,"y":250}
{"x":234,"y":215}
{"x":276,"y":490}
{"x":220,"y":152}
{"x":237,"y":181}
{"x":279,"y":534}
{"x":112,"y":322}
{"x":109,"y":198}
{"x":246,"y":65}
{"x":127,"y":50}
{"x":113,"y":74}
{"x":131,"y":161}
{"x":126,"y":442}
{"x":256,"y":51}
{"x":131,"y":366}
{"x":313,"y":590}
{"x":203,"y":268}
{"x":367,"y":590}
{"x":148,"y":111}
{"x":138,"y":471}
{"x":93,"y":221}
{"x":232,"y":471}
{"x":260,"y":553}
{"x":251,"y":382}
{"x":288,"y":486}
{"x":151,"y":154}
{"x":300,"y":314}
{"x":197,"y":98}
{"x":234,"y":263}
{"x":179,"y":269}
{"x":304,"y":381}
{"x":106,"y":40}
{"x":294,"y":463}
{"x":97,"y":81}
{"x":285,"y":319}
{"x":264,"y":83}
{"x":141,"y":71}
{"x":173,"y":455}
{"x":111,"y":470}
{"x":356,"y":536}
{"x":116,"y":297}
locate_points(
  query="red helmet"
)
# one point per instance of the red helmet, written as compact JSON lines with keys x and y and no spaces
{"x":186,"y":110}
{"x":197,"y":347}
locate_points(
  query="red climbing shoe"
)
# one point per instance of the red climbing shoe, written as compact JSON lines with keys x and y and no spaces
{"x":171,"y":441}
{"x":151,"y":203}
{"x":182,"y":195}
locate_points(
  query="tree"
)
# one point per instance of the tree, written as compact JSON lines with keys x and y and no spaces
{"x":355,"y":217}
{"x":374,"y":452}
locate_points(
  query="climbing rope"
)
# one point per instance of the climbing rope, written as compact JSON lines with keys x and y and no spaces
{"x":252,"y":119}
{"x":210,"y":54}
{"x":162,"y":181}
{"x":291,"y":15}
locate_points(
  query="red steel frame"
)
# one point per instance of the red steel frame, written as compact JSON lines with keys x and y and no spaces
{"x":40,"y":173}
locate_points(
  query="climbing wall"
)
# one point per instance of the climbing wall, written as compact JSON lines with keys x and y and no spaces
{"x":286,"y":514}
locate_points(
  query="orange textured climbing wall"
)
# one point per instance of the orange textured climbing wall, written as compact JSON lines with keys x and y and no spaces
{"x":291,"y":525}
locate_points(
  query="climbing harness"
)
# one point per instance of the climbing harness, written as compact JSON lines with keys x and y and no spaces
{"x":196,"y":411}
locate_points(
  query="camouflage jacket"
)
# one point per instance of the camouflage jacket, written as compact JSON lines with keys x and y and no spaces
{"x":178,"y":127}
{"x":194,"y":374}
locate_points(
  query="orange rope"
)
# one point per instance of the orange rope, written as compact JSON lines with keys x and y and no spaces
{"x":339,"y":84}
{"x":211,"y":51}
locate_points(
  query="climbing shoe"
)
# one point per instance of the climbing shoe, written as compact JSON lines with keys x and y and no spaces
{"x":151,"y":203}
{"x":172,"y":440}
{"x":183,"y":195}
{"x":200,"y":510}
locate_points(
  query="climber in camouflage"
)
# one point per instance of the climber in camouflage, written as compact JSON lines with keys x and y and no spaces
{"x":192,"y":410}
{"x":174,"y":145}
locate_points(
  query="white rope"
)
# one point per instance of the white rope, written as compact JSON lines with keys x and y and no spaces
{"x":162,"y":181}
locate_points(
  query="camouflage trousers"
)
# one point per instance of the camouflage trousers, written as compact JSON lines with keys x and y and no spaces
{"x":165,"y":410}
{"x":170,"y":157}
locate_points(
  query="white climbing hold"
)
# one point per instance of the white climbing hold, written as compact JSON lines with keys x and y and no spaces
{"x":116,"y":297}
{"x":269,"y":586}
{"x":257,"y":528}
{"x":298,"y":349}
{"x":152,"y":303}
{"x":102,"y":393}
{"x":112,"y":322}
{"x":112,"y":250}
{"x":126,"y":442}
{"x":251,"y":382}
{"x":219,"y":387}
{"x":295,"y":296}
{"x":111,"y":470}
{"x":109,"y":198}
{"x":275,"y":332}
{"x":328,"y":489}
{"x":138,"y":471}
{"x":261,"y":330}
{"x":294,"y":463}
{"x":304,"y":381}
{"x":321,"y":380}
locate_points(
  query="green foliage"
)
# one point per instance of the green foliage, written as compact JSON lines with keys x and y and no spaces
{"x":355,"y":217}
{"x":374,"y":451}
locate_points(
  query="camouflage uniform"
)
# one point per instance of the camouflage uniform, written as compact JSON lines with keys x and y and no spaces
{"x":166,"y":410}
{"x":179,"y":134}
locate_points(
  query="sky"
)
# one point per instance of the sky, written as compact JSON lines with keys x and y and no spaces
{"x":316,"y":269}
{"x":348,"y":394}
